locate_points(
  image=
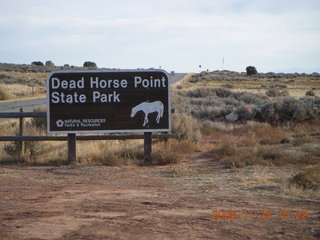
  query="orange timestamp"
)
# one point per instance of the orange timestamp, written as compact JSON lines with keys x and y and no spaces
{"x":259,"y":214}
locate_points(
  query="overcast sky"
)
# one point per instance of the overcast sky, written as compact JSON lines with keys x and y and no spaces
{"x":180,"y":35}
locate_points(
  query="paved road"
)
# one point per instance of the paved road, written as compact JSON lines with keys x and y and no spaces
{"x":176,"y":77}
{"x":28,"y":105}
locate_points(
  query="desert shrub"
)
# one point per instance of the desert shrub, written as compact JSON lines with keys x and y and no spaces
{"x":200,"y":92}
{"x":40,"y":122}
{"x":90,"y":64}
{"x":12,"y":148}
{"x":251,"y":98}
{"x":251,"y":70}
{"x":310,"y":93}
{"x":223,"y":93}
{"x":194,"y":79}
{"x":203,"y":102}
{"x":225,"y":150}
{"x":4,"y":94}
{"x":4,"y":76}
{"x":230,"y":101}
{"x":185,"y":127}
{"x":246,"y":112}
{"x":209,"y":92}
{"x":165,"y":155}
{"x":37,"y":63}
{"x":276,"y":92}
{"x":308,"y":178}
{"x":283,"y":110}
{"x":227,"y":85}
{"x":211,"y":112}
{"x":32,"y":148}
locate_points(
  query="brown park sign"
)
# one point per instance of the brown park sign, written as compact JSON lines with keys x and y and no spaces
{"x":108,"y":101}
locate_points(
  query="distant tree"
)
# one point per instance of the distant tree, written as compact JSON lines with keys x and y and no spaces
{"x":90,"y":64}
{"x":251,"y":70}
{"x":37,"y":63}
{"x":49,"y":64}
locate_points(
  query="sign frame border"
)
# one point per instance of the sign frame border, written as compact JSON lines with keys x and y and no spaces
{"x":49,"y":131}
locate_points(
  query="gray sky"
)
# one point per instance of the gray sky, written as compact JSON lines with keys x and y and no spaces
{"x":180,"y":35}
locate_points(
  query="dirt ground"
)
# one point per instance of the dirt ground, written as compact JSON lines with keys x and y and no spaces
{"x":153,"y":202}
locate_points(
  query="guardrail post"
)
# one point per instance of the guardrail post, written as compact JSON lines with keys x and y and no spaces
{"x":147,"y":146}
{"x":72,"y":152}
{"x":21,"y":132}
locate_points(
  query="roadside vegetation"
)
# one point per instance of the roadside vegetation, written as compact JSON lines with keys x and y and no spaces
{"x":241,"y":121}
{"x":258,"y":121}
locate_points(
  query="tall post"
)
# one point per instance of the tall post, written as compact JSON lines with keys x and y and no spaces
{"x":72,"y":151}
{"x":21,"y":132}
{"x":147,"y":147}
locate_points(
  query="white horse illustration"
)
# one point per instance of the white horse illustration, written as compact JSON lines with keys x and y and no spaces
{"x":148,"y":107}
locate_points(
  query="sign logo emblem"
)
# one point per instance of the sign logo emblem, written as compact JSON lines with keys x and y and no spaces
{"x":59,"y":123}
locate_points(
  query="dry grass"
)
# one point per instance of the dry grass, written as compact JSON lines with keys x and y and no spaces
{"x":302,"y":140}
{"x":172,"y":151}
{"x":256,"y":176}
{"x":238,"y":146}
{"x":185,"y":127}
{"x":5,"y":93}
{"x":24,"y":84}
{"x":121,"y":153}
{"x":181,"y":170}
{"x":267,"y":156}
{"x":111,"y":153}
{"x":308,"y":178}
{"x":293,"y":191}
{"x":296,"y":85}
{"x":276,"y":180}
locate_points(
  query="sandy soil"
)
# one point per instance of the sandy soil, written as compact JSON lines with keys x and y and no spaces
{"x":169,"y":202}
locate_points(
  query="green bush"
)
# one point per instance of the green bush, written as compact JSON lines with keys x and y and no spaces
{"x":251,"y":70}
{"x":49,"y":64}
{"x":37,"y":63}
{"x":90,"y":64}
{"x":310,"y":93}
